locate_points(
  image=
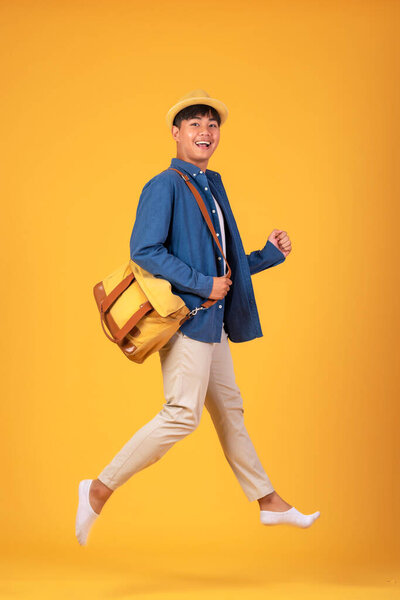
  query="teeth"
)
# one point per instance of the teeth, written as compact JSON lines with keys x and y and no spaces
{"x":201,"y":143}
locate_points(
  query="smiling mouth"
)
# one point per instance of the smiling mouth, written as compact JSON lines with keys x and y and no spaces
{"x":202,"y":144}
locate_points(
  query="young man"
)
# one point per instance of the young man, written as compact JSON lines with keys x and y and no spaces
{"x":171,"y":240}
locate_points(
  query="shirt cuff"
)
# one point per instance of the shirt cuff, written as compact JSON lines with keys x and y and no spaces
{"x":206,"y":283}
{"x":275,"y":251}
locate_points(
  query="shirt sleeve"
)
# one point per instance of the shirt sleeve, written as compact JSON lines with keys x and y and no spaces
{"x":150,"y":230}
{"x":269,"y":256}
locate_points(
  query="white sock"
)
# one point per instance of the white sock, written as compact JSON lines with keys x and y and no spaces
{"x":85,"y":516}
{"x":288,"y":517}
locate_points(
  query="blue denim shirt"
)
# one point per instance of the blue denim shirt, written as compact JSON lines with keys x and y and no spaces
{"x":170,"y":239}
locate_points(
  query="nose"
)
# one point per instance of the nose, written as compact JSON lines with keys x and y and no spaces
{"x":204,"y":131}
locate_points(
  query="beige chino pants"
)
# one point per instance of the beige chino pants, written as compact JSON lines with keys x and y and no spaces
{"x":194,"y":374}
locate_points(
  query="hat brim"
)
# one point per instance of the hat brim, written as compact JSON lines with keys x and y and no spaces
{"x":217,"y":104}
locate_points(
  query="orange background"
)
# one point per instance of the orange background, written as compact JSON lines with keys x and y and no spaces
{"x":310,"y":146}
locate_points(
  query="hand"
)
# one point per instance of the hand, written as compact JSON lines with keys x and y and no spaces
{"x":281,"y":240}
{"x":220,"y":287}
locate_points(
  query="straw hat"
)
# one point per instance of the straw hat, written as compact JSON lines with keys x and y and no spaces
{"x":196,"y":97}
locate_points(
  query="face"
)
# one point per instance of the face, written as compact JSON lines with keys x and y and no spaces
{"x":201,"y":128}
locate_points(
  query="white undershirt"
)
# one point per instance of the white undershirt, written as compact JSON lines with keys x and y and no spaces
{"x":222,"y":228}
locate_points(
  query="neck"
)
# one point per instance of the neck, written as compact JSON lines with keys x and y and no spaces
{"x":202,"y":164}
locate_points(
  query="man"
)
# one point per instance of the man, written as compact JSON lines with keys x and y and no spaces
{"x":171,"y":240}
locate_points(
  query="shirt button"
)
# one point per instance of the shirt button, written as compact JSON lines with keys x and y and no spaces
{"x":213,"y":211}
{"x":217,"y":234}
{"x":201,"y":171}
{"x":220,"y":306}
{"x":219,"y":258}
{"x":206,"y":189}
{"x":194,"y":174}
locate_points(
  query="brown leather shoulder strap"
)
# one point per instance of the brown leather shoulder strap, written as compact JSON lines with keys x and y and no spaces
{"x":204,"y":212}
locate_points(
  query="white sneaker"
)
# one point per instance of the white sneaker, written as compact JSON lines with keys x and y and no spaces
{"x":85,"y":516}
{"x":288,"y":517}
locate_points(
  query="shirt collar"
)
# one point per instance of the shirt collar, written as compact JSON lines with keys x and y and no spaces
{"x":191,"y":169}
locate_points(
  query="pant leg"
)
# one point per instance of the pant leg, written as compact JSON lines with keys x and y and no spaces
{"x":185,"y":365}
{"x":225,"y":405}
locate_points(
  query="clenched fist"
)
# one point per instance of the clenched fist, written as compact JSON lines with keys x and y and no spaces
{"x":220,"y":287}
{"x":281,"y":240}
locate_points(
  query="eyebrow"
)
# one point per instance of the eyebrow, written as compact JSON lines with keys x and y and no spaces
{"x":212,"y":118}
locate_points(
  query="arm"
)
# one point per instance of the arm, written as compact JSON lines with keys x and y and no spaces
{"x":149,"y":233}
{"x":269,"y":256}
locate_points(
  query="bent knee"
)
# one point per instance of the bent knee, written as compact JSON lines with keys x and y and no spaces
{"x":183,"y":418}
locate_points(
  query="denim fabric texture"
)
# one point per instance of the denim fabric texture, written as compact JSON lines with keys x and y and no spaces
{"x":171,"y":240}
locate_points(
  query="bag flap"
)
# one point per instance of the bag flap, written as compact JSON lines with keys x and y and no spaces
{"x":157,"y":290}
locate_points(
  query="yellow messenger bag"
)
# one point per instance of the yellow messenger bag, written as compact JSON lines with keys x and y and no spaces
{"x":138,"y":311}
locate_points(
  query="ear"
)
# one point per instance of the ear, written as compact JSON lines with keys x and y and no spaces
{"x":175,"y":133}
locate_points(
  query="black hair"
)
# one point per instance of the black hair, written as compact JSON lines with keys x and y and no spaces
{"x":192,"y":111}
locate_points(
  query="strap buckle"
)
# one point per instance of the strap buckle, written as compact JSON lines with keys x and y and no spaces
{"x":196,"y":310}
